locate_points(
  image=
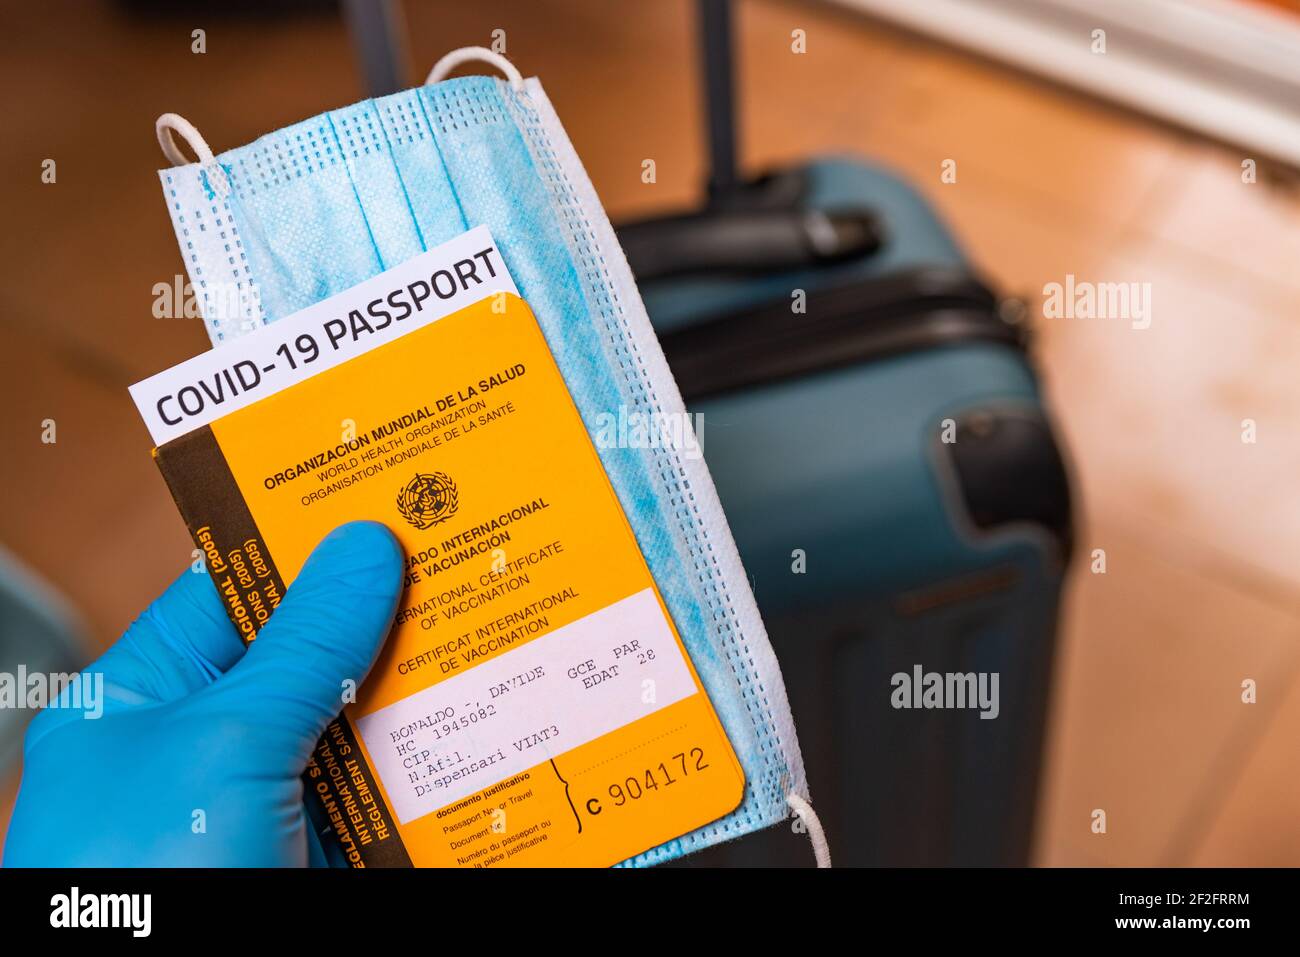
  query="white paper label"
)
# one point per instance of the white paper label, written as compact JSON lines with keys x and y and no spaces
{"x":421,"y":290}
{"x":522,"y":708}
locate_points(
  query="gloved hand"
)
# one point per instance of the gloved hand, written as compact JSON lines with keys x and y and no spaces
{"x":195,"y":728}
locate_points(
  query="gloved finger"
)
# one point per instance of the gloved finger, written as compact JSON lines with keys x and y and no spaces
{"x":326,"y":631}
{"x":180,"y":643}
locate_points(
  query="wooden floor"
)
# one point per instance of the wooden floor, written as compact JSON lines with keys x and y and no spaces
{"x":1201,"y":531}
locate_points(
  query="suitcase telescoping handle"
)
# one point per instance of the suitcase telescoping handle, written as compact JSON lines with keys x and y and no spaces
{"x":740,"y":240}
{"x":719,"y":96}
{"x":745,"y":227}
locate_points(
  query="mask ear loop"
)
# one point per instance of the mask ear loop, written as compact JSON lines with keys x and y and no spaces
{"x":455,"y":58}
{"x":171,"y":123}
{"x":821,"y":847}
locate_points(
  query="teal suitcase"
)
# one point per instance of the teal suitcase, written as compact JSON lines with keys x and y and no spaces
{"x":899,"y":500}
{"x":880,"y":445}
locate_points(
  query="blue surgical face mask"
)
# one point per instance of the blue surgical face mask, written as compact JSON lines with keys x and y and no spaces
{"x":315,"y":208}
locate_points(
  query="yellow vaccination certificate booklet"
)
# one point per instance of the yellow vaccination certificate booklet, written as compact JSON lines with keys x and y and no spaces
{"x":534,"y":704}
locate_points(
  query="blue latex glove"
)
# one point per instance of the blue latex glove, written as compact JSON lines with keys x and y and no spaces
{"x":193,"y":722}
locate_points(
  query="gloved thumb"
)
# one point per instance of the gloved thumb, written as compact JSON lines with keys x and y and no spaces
{"x":319,"y":642}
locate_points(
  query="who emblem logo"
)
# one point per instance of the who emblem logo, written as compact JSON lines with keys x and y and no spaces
{"x":428,"y":499}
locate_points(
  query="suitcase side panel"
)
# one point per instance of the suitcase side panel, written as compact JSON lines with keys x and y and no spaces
{"x":847,"y":466}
